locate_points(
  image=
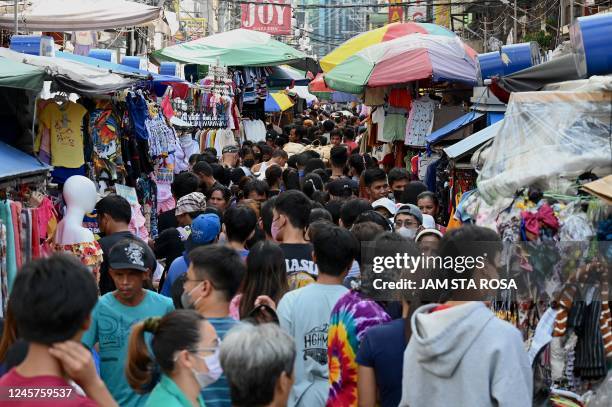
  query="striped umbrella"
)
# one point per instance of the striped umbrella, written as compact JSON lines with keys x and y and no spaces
{"x":277,"y":102}
{"x":386,"y":33}
{"x":405,"y":59}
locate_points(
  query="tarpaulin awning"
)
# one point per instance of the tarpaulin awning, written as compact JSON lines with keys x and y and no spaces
{"x":17,"y":75}
{"x":454,"y":126}
{"x":494,"y":117}
{"x":284,"y":75}
{"x":159,"y":81}
{"x":74,"y":76}
{"x":232,"y":48}
{"x":78,"y":15}
{"x":277,"y":102}
{"x":302,"y":92}
{"x":535,"y":78}
{"x":14,"y":163}
{"x":469,"y":143}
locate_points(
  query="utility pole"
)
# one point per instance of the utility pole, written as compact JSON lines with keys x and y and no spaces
{"x":571,"y":12}
{"x":516,"y":21}
{"x":16,"y":17}
{"x":486,"y":42}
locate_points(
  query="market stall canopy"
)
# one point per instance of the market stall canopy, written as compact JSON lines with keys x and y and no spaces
{"x":284,"y":75}
{"x":78,"y":15}
{"x":405,"y":59}
{"x":548,"y":138}
{"x":454,"y":126}
{"x":159,"y":82}
{"x":535,"y":78}
{"x":468,"y":144}
{"x":16,"y":163}
{"x":376,"y":36}
{"x":277,"y":102}
{"x":21,"y":76}
{"x":302,"y":92}
{"x":74,"y":76}
{"x":232,"y":48}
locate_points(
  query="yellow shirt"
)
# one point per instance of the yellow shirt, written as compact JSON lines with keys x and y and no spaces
{"x":65,"y":124}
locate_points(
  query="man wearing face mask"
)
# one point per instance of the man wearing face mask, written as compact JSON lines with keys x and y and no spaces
{"x":211,"y":282}
{"x":408,"y":221}
{"x":398,"y":179}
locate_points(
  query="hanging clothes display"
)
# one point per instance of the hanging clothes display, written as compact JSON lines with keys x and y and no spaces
{"x":105,"y":133}
{"x":420,"y":122}
{"x":64,"y":125}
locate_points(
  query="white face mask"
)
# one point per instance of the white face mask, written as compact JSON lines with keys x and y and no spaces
{"x":186,"y":301}
{"x":215,"y":371}
{"x":407,"y":233}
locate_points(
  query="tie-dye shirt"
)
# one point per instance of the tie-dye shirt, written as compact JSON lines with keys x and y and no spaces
{"x":350,"y":319}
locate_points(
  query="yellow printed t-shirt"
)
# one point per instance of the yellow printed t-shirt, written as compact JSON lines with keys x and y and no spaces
{"x":65,"y":132}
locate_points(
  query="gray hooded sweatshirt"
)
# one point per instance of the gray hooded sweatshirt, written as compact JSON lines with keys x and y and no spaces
{"x":465,"y":356}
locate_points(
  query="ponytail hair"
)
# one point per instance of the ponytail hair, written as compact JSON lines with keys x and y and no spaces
{"x":176,"y":331}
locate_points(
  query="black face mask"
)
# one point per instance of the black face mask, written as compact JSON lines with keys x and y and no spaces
{"x":248,"y":163}
{"x":398,"y":196}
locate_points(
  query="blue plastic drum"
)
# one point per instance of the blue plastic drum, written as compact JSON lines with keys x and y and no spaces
{"x":168,"y":68}
{"x":135,"y":62}
{"x":489,"y":65}
{"x":103,"y":54}
{"x":517,"y":57}
{"x":591,"y":40}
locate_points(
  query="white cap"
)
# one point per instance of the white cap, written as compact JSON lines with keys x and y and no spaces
{"x":385,"y":203}
{"x":429,"y":222}
{"x":428,"y":232}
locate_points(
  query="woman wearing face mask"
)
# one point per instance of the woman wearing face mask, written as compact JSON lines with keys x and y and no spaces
{"x":186,"y":348}
{"x":408,"y":221}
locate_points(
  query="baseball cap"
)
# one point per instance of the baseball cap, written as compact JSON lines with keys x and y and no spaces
{"x":425,"y":232}
{"x":229,"y":149}
{"x":131,"y":254}
{"x":429,"y":222}
{"x":385,"y":203}
{"x":193,"y":202}
{"x":410,"y":209}
{"x":204,"y":229}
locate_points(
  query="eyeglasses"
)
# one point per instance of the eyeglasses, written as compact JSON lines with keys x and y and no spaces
{"x":407,"y":223}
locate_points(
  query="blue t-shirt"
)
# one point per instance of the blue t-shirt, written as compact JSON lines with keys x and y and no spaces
{"x":111,"y":324}
{"x":178,"y":267}
{"x":382,"y":349}
{"x":218,"y":393}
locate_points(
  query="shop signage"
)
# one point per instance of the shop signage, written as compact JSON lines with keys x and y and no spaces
{"x":270,"y":16}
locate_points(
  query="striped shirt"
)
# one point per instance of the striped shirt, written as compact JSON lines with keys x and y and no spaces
{"x":218,"y":393}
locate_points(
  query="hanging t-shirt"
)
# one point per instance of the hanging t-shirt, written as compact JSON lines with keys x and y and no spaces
{"x":111,"y":324}
{"x":375,"y":96}
{"x":420,"y":122}
{"x":309,"y":330}
{"x":378,"y":118}
{"x":65,"y":124}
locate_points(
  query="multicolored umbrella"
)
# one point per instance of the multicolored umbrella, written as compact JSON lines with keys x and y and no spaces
{"x":277,"y":102}
{"x":405,"y":59}
{"x":318,"y":87}
{"x":373,"y":37}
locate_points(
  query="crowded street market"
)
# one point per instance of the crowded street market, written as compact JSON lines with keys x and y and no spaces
{"x":305,"y":203}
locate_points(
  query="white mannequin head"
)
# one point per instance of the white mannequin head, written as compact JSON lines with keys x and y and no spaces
{"x":80,"y":194}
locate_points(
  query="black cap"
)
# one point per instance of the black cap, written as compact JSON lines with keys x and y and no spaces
{"x":131,"y":254}
{"x":229,"y":149}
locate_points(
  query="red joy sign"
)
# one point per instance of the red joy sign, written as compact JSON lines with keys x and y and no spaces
{"x":270,"y":16}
